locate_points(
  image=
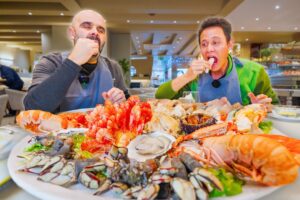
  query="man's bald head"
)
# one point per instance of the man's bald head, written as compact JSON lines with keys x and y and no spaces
{"x":78,"y":17}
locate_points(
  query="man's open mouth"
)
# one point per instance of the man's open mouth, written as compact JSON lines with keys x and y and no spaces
{"x":215,"y":59}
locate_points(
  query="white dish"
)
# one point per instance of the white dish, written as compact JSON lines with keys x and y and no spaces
{"x":287,"y":113}
{"x":49,"y":191}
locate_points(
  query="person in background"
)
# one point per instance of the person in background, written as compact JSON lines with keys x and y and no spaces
{"x":11,"y":78}
{"x":81,"y":78}
{"x":218,"y":74}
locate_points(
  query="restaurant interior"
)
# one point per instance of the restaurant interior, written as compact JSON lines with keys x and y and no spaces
{"x":154,"y":41}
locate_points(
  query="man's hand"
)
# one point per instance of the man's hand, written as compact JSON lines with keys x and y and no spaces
{"x":115,"y":95}
{"x":262,"y":99}
{"x":83,"y":50}
{"x":198,"y":66}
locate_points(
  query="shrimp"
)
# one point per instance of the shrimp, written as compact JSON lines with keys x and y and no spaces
{"x":250,"y":156}
{"x":292,"y":144}
{"x":39,"y":122}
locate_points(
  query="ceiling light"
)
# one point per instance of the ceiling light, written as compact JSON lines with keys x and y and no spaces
{"x":137,"y":37}
{"x":174,"y":21}
{"x":198,"y":22}
{"x":14,"y":31}
{"x":38,"y":31}
{"x":247,"y":39}
{"x":269,"y":28}
{"x":62,"y":14}
{"x":29,"y":13}
{"x":151,"y":21}
{"x":296,"y":28}
{"x":277,"y":7}
{"x":128,"y":21}
{"x":25,"y":42}
{"x":257,"y":18}
{"x":242,"y":27}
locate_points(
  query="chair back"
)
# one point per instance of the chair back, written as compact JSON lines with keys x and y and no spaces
{"x":15,"y":99}
{"x":3,"y":104}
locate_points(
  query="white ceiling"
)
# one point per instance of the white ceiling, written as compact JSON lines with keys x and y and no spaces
{"x":284,"y":19}
{"x":153,"y":21}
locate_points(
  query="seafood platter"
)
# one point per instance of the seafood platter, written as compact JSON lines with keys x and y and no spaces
{"x":159,"y":149}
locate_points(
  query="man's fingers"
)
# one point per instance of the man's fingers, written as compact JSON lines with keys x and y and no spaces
{"x":265,"y":101}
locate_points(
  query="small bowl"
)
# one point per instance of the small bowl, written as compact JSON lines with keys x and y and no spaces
{"x":191,"y":123}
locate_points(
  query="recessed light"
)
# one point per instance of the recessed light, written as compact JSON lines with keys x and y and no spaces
{"x":257,"y":18}
{"x":137,"y":37}
{"x":29,"y":13}
{"x":269,"y":28}
{"x":14,"y":31}
{"x":174,"y":21}
{"x":151,"y":21}
{"x":128,"y":21}
{"x":62,"y":14}
{"x":38,"y":31}
{"x":296,"y":28}
{"x":247,"y":39}
{"x":242,"y":27}
{"x":25,"y":42}
{"x":198,"y":22}
{"x":277,"y":7}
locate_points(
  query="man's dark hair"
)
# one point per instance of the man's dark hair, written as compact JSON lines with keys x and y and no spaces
{"x":216,"y":21}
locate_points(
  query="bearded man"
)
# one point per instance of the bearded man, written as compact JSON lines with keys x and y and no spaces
{"x":80,"y":78}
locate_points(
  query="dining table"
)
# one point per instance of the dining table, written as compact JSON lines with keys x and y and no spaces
{"x":11,"y":191}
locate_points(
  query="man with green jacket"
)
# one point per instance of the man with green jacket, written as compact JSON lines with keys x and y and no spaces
{"x":219,"y":74}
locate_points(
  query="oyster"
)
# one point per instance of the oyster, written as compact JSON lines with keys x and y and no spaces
{"x":149,"y":146}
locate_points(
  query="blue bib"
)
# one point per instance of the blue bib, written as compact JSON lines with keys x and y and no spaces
{"x":230,"y":87}
{"x":89,"y":95}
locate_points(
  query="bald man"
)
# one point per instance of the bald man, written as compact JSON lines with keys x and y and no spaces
{"x":81,"y":78}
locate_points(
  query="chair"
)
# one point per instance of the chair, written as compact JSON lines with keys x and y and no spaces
{"x":3,"y":103}
{"x":15,"y":99}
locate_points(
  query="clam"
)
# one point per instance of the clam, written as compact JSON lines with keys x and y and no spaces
{"x":149,"y":146}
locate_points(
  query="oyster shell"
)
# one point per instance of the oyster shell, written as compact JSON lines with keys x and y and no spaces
{"x":149,"y":146}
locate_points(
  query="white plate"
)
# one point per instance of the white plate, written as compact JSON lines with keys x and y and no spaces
{"x":277,"y":110}
{"x":49,"y":191}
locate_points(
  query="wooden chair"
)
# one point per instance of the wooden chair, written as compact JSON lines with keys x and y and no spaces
{"x":3,"y":104}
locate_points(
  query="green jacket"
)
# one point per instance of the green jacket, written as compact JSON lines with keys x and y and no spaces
{"x":252,"y":77}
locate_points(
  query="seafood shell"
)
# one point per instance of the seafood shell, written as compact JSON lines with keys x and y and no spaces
{"x":149,"y":146}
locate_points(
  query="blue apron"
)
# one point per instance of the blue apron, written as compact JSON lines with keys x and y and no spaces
{"x":230,"y":87}
{"x":100,"y":80}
